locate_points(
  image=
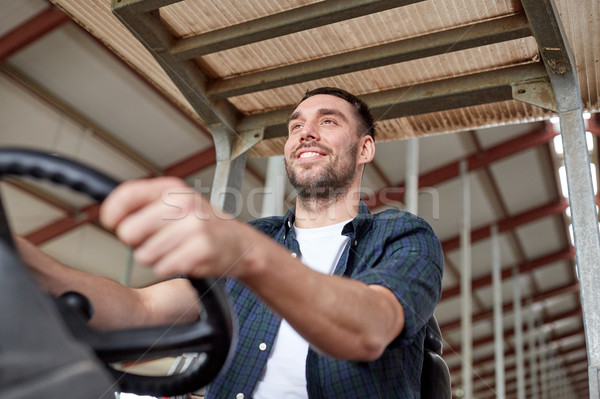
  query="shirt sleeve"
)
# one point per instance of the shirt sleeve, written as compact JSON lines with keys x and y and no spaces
{"x":410,"y":265}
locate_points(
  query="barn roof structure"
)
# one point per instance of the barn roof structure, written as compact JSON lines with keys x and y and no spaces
{"x":202,"y":90}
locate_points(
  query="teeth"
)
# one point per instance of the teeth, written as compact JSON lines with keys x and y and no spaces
{"x":308,"y":154}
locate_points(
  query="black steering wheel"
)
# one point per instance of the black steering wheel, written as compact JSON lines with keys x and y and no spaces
{"x":212,"y":335}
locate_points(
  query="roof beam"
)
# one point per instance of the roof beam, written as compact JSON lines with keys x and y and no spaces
{"x":137,"y":73}
{"x":577,"y":376}
{"x":192,"y":164}
{"x":481,"y":159}
{"x":507,"y":272}
{"x":42,"y":195}
{"x":486,"y":378}
{"x":511,"y":367}
{"x":510,"y":223}
{"x":474,"y":161}
{"x":560,"y":352}
{"x":484,"y":33}
{"x":190,"y":81}
{"x":30,"y":31}
{"x":509,"y":332}
{"x":511,"y":384}
{"x":88,"y":214}
{"x":487,"y":314}
{"x":283,"y":23}
{"x":74,"y":115}
{"x":463,"y":91}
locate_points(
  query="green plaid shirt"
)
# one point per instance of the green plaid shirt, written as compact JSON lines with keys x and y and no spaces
{"x":394,"y":249}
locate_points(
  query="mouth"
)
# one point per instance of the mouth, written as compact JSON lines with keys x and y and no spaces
{"x":309,"y":154}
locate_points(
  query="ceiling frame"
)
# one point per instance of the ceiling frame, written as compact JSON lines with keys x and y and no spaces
{"x":479,"y":34}
{"x":284,"y":23}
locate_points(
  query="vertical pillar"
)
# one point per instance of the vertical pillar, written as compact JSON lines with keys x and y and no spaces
{"x":533,"y":371}
{"x":274,"y":187}
{"x":552,"y":383}
{"x":543,"y":351}
{"x":518,"y":315}
{"x":227,"y":184}
{"x":230,"y":148}
{"x":498,"y":327}
{"x":558,"y":59}
{"x":465,"y":284}
{"x":587,"y":239}
{"x":412,"y":176}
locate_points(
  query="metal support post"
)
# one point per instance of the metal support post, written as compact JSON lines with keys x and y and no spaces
{"x":465,"y":285}
{"x":533,"y":369}
{"x":543,"y":364}
{"x":498,"y":325}
{"x":412,"y":176}
{"x":231,"y":148}
{"x":518,"y":319}
{"x":274,"y":187}
{"x":560,"y":65}
{"x":586,"y":237}
{"x":227,"y":184}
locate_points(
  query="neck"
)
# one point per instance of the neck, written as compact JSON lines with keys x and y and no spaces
{"x":319,"y":212}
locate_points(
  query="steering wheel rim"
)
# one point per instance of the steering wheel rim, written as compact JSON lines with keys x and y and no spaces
{"x":213,"y":334}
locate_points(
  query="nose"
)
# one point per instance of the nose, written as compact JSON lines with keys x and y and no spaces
{"x":309,"y":132}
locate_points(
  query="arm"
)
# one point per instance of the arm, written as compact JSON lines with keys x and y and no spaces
{"x":115,"y":306}
{"x":339,"y":316}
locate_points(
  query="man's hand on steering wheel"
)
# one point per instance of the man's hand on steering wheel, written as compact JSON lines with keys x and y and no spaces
{"x":175,"y":230}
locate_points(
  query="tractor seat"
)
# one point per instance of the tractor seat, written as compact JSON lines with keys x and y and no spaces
{"x":435,"y":376}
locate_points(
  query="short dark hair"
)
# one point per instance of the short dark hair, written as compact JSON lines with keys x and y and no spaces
{"x":366,"y":122}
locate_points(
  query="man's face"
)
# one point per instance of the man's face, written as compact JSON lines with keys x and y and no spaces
{"x":322,"y":146}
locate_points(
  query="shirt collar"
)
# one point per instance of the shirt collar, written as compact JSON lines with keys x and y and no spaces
{"x":354,"y":229}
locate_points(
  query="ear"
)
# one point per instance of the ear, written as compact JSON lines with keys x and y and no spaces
{"x":366,"y":149}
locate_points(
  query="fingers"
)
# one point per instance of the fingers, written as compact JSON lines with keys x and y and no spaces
{"x":192,"y":257}
{"x":167,"y":239}
{"x":171,"y":227}
{"x":133,"y":195}
{"x":142,"y":224}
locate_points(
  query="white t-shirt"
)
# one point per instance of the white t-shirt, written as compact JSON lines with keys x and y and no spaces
{"x":285,"y":374}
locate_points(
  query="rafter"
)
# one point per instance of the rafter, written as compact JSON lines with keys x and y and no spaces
{"x":474,"y":161}
{"x":507,"y":272}
{"x":30,"y":31}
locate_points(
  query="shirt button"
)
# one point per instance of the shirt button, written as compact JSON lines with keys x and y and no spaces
{"x":294,"y":255}
{"x":262,"y":346}
{"x":239,"y":396}
{"x":355,"y":242}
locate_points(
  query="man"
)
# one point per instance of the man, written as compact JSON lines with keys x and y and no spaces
{"x":354,"y":290}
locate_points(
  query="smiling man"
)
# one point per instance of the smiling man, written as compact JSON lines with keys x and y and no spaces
{"x":331,"y":300}
{"x":316,"y":126}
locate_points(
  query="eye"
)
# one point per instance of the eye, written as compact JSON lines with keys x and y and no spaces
{"x":295,"y":126}
{"x":329,"y":122}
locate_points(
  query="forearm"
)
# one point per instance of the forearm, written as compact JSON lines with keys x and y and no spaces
{"x":114,"y":305}
{"x":341,"y":317}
